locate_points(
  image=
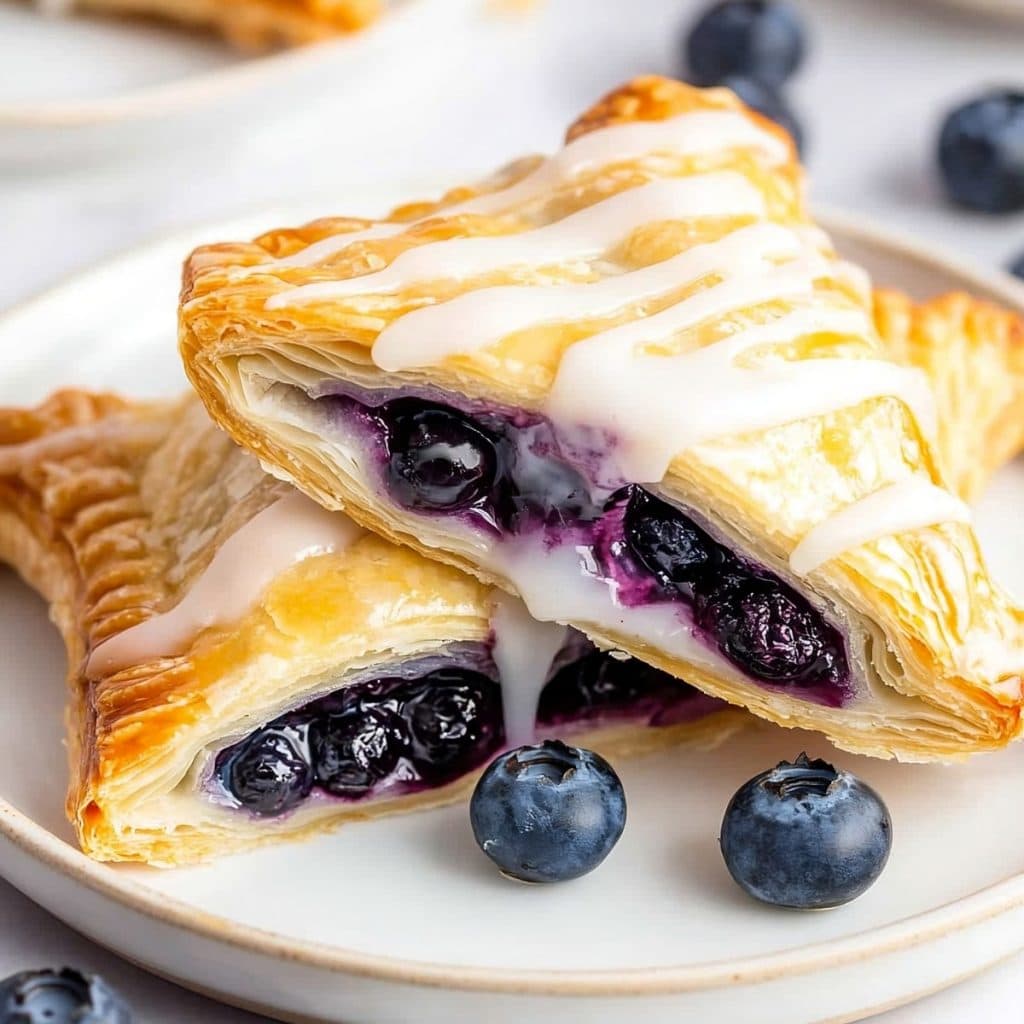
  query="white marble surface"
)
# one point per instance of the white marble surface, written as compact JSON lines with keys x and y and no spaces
{"x":880,"y":74}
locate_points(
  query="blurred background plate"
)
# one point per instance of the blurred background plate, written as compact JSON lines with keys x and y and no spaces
{"x":81,"y":87}
{"x":402,"y":919}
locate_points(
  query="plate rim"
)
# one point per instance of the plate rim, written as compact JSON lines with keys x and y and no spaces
{"x":43,"y":846}
{"x":169,"y":98}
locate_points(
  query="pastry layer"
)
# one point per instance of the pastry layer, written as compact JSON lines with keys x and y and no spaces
{"x":656,"y":293}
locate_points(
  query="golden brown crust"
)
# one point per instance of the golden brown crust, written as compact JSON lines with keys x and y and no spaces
{"x":973,"y":353}
{"x":943,"y":642}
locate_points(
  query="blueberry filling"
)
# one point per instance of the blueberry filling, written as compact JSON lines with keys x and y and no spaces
{"x":268,"y":773}
{"x":439,"y":459}
{"x":599,"y":686}
{"x":354,"y":749}
{"x":404,"y":735}
{"x":518,"y":481}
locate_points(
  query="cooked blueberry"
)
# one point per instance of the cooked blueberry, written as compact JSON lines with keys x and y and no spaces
{"x":981,"y":152}
{"x":768,"y":630}
{"x":669,"y":545}
{"x":769,"y":102}
{"x":760,"y":39}
{"x":356,"y":748}
{"x":267,"y":773}
{"x":439,"y":459}
{"x":548,"y":813}
{"x":1017,"y":266}
{"x":60,"y":997}
{"x":454,"y":721}
{"x":805,"y":835}
{"x":598,"y":683}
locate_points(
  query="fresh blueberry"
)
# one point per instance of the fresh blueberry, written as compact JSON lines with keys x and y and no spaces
{"x":355,"y":749}
{"x":768,"y":630}
{"x":666,"y":542}
{"x":599,"y":684}
{"x":439,"y":459}
{"x":981,"y":152}
{"x":769,"y":102}
{"x":805,"y":835}
{"x":760,"y":39}
{"x":548,"y":813}
{"x":454,"y":721}
{"x":60,"y":997}
{"x":1017,"y":266}
{"x":267,"y":773}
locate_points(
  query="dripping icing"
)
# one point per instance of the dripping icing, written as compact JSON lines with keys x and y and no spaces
{"x":286,"y":532}
{"x":910,"y":504}
{"x":524,"y":650}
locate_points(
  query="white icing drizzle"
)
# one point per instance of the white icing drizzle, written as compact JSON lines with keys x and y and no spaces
{"x":480,"y":318}
{"x":558,"y":584}
{"x":322,"y":250}
{"x":702,"y":131}
{"x":583,"y":235}
{"x":909,"y":504}
{"x":284,"y":533}
{"x":524,"y":650}
{"x":657,"y":407}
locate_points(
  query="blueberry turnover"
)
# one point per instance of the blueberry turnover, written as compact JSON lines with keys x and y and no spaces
{"x":249,"y":667}
{"x":743,"y":488}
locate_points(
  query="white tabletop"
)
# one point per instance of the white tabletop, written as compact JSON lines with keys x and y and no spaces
{"x":879,"y":76}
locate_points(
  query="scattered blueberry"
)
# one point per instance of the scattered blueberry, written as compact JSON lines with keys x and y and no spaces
{"x":768,"y":630}
{"x":1017,"y":266}
{"x":805,"y":835}
{"x":439,"y":458}
{"x":759,"y":39}
{"x":769,"y":102}
{"x":981,"y":152}
{"x":355,"y":749}
{"x":667,"y":543}
{"x":454,"y":719}
{"x":268,"y":773}
{"x":60,"y":997}
{"x":548,"y":813}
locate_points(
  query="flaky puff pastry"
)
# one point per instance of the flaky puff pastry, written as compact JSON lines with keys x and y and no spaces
{"x":657,"y":295}
{"x":252,"y":24}
{"x":973,"y":351}
{"x":115,"y":511}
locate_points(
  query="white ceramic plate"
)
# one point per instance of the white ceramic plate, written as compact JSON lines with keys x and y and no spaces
{"x":126,"y":86}
{"x":403,"y":919}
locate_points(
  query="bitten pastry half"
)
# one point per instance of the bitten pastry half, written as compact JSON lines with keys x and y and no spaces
{"x":634,"y":384}
{"x":248,"y":24}
{"x":246,"y":667}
